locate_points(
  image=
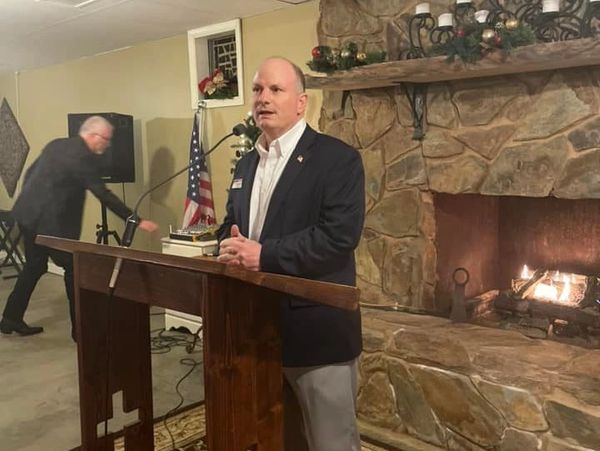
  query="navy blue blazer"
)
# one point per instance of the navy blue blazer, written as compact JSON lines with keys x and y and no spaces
{"x":51,"y":201}
{"x":313,"y":224}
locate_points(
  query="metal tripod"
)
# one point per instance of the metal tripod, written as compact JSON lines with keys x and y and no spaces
{"x":102,"y":232}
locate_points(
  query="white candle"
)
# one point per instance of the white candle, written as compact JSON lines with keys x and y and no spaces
{"x":460,"y":2}
{"x":422,"y":8}
{"x":445,"y":20}
{"x":481,"y":15}
{"x":550,"y":6}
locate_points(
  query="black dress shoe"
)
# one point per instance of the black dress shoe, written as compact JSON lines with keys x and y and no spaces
{"x":8,"y":326}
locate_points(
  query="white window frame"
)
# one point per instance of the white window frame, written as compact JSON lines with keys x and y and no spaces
{"x":199,"y":65}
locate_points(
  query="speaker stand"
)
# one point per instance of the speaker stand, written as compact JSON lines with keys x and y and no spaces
{"x":102,"y":232}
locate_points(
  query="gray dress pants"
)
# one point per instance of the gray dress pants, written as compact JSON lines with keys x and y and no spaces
{"x":320,"y":408}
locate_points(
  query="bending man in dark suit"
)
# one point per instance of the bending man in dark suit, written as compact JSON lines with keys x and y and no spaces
{"x":296,"y":206}
{"x":51,"y":203}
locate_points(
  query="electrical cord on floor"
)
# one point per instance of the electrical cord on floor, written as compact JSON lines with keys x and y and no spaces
{"x":190,"y":347}
{"x":163,"y":341}
{"x":192,"y":364}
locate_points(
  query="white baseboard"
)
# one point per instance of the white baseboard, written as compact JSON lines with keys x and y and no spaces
{"x":174,"y":319}
{"x":54,"y":269}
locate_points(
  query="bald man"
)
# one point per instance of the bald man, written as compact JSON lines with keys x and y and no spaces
{"x":51,"y":203}
{"x":296,"y":207}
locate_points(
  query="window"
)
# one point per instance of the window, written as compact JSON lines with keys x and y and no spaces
{"x":222,"y":54}
{"x":216,"y":46}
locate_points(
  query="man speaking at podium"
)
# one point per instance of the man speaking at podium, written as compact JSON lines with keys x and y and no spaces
{"x":51,"y":203}
{"x":296,"y":207}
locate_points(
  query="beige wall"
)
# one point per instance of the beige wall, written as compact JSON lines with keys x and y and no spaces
{"x":9,"y":90}
{"x":148,"y":81}
{"x":151,"y":82}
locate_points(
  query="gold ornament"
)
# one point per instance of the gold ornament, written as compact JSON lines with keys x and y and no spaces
{"x":511,"y":23}
{"x":487,"y":35}
{"x":361,"y":56}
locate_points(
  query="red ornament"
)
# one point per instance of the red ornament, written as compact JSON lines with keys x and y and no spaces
{"x":316,"y":52}
{"x":498,"y":40}
{"x":460,"y":33}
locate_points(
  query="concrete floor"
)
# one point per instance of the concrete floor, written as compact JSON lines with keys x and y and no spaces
{"x":39,"y":407}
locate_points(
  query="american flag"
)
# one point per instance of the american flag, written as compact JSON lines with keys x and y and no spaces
{"x":199,"y":206}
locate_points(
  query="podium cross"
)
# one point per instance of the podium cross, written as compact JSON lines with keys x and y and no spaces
{"x":120,"y":418}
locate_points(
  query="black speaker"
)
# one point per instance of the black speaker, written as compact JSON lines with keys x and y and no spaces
{"x":118,"y":161}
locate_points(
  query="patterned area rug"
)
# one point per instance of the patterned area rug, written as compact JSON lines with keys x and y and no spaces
{"x":188,"y":431}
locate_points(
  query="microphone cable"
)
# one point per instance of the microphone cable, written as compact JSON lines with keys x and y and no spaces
{"x":162,"y":342}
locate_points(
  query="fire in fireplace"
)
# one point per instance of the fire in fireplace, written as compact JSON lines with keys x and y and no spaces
{"x":553,"y":286}
{"x":491,"y":237}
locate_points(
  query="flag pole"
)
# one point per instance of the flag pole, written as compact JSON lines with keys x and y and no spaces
{"x":201,"y":117}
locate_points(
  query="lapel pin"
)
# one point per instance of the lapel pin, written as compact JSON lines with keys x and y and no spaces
{"x":300,"y":158}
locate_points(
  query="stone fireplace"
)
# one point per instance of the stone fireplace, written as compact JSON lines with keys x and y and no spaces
{"x":508,"y":174}
{"x":504,"y":154}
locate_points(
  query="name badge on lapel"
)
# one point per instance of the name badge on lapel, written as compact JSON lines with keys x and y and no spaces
{"x":236,"y":184}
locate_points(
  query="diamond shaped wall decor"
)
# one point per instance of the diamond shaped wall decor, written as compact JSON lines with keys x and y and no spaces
{"x":13,"y":148}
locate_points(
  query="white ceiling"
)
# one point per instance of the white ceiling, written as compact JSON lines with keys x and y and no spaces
{"x":35,"y":33}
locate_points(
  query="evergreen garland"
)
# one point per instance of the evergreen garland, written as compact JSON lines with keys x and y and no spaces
{"x":327,"y":59}
{"x":474,"y":40}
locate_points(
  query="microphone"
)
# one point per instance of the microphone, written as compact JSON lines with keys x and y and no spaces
{"x":133,"y":220}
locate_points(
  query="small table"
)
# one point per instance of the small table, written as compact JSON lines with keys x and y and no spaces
{"x":9,"y":243}
{"x":183,"y":248}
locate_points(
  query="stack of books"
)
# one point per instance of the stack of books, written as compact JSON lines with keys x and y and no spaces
{"x":198,"y":232}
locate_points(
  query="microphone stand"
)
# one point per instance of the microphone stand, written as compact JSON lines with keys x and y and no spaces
{"x":133,"y":220}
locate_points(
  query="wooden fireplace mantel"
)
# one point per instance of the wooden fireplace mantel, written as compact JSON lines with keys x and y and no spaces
{"x":531,"y":58}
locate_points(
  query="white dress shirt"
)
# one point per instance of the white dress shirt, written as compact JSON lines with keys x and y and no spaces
{"x":271,"y":164}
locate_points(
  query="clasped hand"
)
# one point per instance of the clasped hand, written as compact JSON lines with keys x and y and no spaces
{"x":239,"y":250}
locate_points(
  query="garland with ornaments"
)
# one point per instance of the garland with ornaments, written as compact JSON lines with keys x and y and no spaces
{"x":247,"y":140}
{"x":474,"y":40}
{"x":327,"y":59}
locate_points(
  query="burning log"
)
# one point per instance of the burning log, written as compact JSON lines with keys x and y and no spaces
{"x":543,"y":309}
{"x":562,"y":288}
{"x":511,"y":303}
{"x":525,"y":287}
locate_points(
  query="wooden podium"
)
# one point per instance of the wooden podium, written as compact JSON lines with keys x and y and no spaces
{"x":242,"y":344}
